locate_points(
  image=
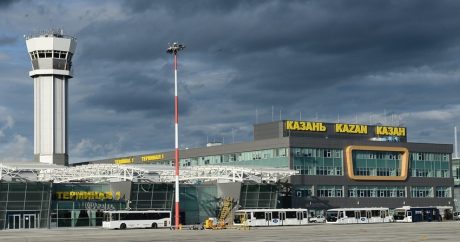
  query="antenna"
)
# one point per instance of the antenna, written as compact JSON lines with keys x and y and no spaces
{"x":273,"y":113}
{"x":455,"y":143}
{"x":300,"y":115}
{"x":385,"y":116}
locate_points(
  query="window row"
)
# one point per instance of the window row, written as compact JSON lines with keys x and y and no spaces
{"x":57,"y":54}
{"x":378,"y":155}
{"x":372,"y":191}
{"x":250,"y":156}
{"x":422,"y":156}
{"x":376,"y":191}
{"x":316,"y":152}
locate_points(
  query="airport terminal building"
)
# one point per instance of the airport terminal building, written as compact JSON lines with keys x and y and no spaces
{"x":290,"y":164}
{"x":337,"y":164}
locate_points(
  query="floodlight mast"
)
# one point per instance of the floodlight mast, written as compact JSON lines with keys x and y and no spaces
{"x":173,"y":49}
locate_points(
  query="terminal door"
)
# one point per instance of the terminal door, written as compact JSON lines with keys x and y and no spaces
{"x":30,"y":221}
{"x":14,"y":221}
{"x":23,"y":221}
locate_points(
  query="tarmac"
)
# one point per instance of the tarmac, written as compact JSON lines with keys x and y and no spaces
{"x":425,"y":231}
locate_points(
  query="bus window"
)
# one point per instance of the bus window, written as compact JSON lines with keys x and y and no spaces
{"x":259,"y":215}
{"x":248,"y":215}
{"x":268,"y":216}
{"x":350,"y":214}
{"x":115,"y":216}
{"x":291,"y":214}
{"x":363,"y":213}
{"x":305,"y":214}
{"x":340,"y":214}
{"x":376,"y":213}
{"x":275,"y":215}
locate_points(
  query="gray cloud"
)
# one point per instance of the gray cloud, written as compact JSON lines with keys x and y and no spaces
{"x":4,"y":4}
{"x":7,"y":40}
{"x":352,"y":60}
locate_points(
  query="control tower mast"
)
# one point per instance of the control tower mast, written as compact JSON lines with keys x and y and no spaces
{"x":51,"y":55}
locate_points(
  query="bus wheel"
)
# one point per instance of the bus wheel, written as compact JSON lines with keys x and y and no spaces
{"x":123,"y":226}
{"x":154,"y":225}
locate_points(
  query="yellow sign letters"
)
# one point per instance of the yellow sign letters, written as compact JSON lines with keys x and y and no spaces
{"x":124,"y":161}
{"x":81,"y":195}
{"x":305,"y":126}
{"x":152,"y":157}
{"x":351,"y":128}
{"x":390,"y":131}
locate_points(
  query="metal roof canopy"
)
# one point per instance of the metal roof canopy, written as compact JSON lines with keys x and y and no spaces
{"x":152,"y":173}
{"x":24,"y":170}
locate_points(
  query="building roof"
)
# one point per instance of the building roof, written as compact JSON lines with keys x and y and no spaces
{"x":139,"y":172}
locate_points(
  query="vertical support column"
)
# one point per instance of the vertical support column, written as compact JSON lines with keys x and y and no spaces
{"x":176,"y":128}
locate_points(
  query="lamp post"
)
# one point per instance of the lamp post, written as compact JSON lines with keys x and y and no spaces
{"x":173,"y":49}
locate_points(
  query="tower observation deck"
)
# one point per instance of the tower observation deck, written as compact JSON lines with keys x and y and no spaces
{"x":51,"y":55}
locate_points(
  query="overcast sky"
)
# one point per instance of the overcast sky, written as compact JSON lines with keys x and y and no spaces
{"x":393,"y":62}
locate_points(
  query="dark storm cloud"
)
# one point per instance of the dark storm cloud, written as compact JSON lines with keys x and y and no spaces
{"x":321,"y":40}
{"x":284,"y":52}
{"x":133,"y":92}
{"x":4,"y":4}
{"x":184,"y":7}
{"x":323,"y":58}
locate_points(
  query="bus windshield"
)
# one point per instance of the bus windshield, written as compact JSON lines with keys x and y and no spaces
{"x":240,"y":217}
{"x":399,"y":214}
{"x":331,"y":216}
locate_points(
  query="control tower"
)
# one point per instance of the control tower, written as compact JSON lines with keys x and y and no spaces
{"x":51,"y":55}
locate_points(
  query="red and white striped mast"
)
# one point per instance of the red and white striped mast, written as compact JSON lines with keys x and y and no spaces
{"x":173,"y":49}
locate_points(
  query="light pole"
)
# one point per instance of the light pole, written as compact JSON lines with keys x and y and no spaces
{"x":173,"y":49}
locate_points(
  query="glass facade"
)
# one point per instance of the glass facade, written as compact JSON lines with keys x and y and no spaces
{"x":264,"y":158}
{"x":376,"y":163}
{"x":197,"y":202}
{"x":304,"y":191}
{"x":329,"y":191}
{"x":24,"y":205}
{"x":83,"y":204}
{"x":376,"y":191}
{"x":456,"y":171}
{"x":258,"y":196}
{"x":429,"y":164}
{"x":318,"y":161}
{"x":443,"y":192}
{"x":155,"y":196}
{"x":421,"y":191}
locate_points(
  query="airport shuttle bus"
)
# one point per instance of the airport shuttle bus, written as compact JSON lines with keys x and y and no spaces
{"x":136,"y":219}
{"x":270,"y":217}
{"x":409,"y":214}
{"x":358,"y":215}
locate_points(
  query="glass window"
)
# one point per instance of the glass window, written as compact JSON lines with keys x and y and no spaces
{"x":376,"y":191}
{"x":429,"y":165}
{"x":329,"y":191}
{"x":328,"y":163}
{"x":421,"y":191}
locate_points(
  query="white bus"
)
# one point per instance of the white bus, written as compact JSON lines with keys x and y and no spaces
{"x":136,"y":219}
{"x":270,"y":217}
{"x":408,"y":214}
{"x":358,"y":215}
